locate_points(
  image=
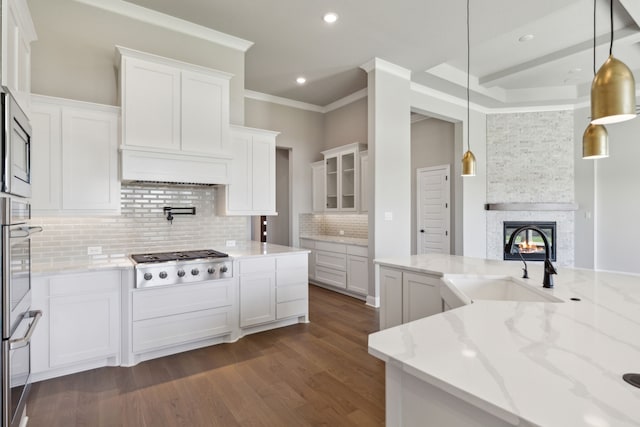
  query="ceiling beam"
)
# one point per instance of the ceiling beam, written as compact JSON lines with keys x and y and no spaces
{"x":633,"y":9}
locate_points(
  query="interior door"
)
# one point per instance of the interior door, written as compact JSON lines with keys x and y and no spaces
{"x":433,"y":216}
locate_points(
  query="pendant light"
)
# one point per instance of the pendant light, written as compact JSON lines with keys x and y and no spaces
{"x":613,"y":91}
{"x":468,"y":159}
{"x":595,"y":141}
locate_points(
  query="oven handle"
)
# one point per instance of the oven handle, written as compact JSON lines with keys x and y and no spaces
{"x":21,"y":342}
{"x":24,"y":232}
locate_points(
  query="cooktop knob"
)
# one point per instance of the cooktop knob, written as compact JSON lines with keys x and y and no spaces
{"x":223,"y":269}
{"x":180,"y":273}
{"x":195,"y":272}
{"x":211,"y":270}
{"x":147,"y":276}
{"x":163,"y":274}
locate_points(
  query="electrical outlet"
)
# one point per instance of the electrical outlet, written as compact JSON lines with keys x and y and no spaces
{"x":388,"y":216}
{"x":341,"y":232}
{"x":231,"y":243}
{"x":94,"y":250}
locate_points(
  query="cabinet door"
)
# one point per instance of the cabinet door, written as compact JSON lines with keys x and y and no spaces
{"x":331,"y":184}
{"x":390,"y":297}
{"x":421,"y":296}
{"x":310,"y":244}
{"x":257,"y":298}
{"x":317,"y":186}
{"x":239,"y":192}
{"x":46,"y":157}
{"x":263,"y":174}
{"x":364,"y":182}
{"x":151,"y":105}
{"x":83,"y":327}
{"x":89,"y":160}
{"x":205,"y":113}
{"x":358,"y":274}
{"x":348,"y":181}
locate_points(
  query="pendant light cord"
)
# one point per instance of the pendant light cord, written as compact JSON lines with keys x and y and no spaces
{"x":468,"y":71}
{"x":611,"y":22}
{"x":594,"y":37}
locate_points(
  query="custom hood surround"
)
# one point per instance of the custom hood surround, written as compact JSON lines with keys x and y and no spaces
{"x":175,"y":120}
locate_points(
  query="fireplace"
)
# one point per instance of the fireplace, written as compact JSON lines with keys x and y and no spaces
{"x":529,"y":242}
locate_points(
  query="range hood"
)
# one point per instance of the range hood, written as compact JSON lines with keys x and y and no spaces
{"x":174,"y":167}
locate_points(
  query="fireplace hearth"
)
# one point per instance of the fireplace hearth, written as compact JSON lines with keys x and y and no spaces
{"x":528,"y":242}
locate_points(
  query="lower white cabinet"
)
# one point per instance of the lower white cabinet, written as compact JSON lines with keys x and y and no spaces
{"x":406,"y":296}
{"x":292,"y":287}
{"x":80,"y":327}
{"x":257,"y":298}
{"x":358,"y":274}
{"x":311,"y":258}
{"x":74,"y":157}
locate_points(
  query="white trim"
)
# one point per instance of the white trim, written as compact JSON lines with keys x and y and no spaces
{"x":24,"y":16}
{"x":259,"y":96}
{"x":425,"y":90}
{"x":532,"y":109}
{"x":386,"y":66}
{"x":356,"y":96}
{"x":169,"y":22}
{"x":45,"y":99}
{"x":373,"y":301}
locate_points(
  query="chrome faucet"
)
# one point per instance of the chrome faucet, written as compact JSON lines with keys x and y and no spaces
{"x":549,"y":269}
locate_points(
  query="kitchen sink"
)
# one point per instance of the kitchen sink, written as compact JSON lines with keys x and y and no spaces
{"x":464,"y":289}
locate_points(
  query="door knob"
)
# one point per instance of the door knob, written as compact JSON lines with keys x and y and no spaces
{"x":422,"y":230}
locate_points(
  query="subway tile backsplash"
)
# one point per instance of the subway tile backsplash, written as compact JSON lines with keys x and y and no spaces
{"x":141,"y":227}
{"x":330,"y":225}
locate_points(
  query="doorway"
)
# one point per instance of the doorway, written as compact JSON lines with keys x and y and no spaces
{"x":279,"y":227}
{"x":433,"y":210}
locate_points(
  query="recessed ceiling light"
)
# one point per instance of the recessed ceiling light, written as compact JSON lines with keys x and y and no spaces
{"x":301,"y":80}
{"x":330,"y":17}
{"x":526,"y":38}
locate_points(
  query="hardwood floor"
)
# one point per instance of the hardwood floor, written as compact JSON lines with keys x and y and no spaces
{"x":316,"y":374}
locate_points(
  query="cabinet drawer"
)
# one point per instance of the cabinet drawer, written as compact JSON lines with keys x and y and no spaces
{"x":358,"y":250}
{"x":307,"y":244}
{"x":331,"y":247}
{"x":74,"y":284}
{"x":156,"y":302}
{"x":179,"y":329}
{"x":257,"y":265}
{"x":291,"y":261}
{"x":291,"y":277}
{"x":331,"y":260}
{"x":292,"y":308}
{"x":290,"y":293}
{"x":331,"y":277}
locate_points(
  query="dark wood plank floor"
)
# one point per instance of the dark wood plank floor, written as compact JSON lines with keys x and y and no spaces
{"x":317,"y":374}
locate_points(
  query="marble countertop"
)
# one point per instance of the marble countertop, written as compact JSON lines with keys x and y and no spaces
{"x":548,"y":364}
{"x":242,"y":249}
{"x":338,"y":239}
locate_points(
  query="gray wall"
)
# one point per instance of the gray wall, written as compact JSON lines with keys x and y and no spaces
{"x":346,"y":125}
{"x":303,"y":132}
{"x":74,"y":56}
{"x":432,"y":144}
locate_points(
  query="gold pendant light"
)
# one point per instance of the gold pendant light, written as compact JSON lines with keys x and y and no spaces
{"x":595,"y":141}
{"x":468,"y":159}
{"x":613,"y":91}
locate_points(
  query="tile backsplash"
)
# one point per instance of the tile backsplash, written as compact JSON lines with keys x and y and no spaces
{"x":330,"y":225}
{"x":141,"y":227}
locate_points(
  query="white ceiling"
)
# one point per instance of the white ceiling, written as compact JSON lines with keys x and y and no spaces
{"x":426,"y":36}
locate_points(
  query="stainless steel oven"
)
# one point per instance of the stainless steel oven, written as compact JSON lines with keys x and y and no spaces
{"x":16,"y":148}
{"x":18,"y":320}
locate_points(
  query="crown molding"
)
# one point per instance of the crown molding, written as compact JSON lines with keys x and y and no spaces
{"x":362,"y":93}
{"x":386,"y":66}
{"x":169,"y":22}
{"x":259,"y":96}
{"x":425,"y":90}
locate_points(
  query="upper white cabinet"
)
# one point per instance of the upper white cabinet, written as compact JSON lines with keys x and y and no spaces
{"x":342,"y":178}
{"x":17,"y":34}
{"x":252,"y":190}
{"x":74,"y":157}
{"x":175,"y":120}
{"x":317,"y":187}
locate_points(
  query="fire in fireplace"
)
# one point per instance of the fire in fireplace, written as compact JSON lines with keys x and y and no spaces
{"x":529,"y":242}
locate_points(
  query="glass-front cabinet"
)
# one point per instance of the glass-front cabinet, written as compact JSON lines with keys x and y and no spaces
{"x":342,"y":178}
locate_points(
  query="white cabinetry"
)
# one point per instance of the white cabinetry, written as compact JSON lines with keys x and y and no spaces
{"x":407,"y":296}
{"x":311,"y":246}
{"x":74,"y":157}
{"x":257,"y":290}
{"x":318,"y":198}
{"x":175,"y":124}
{"x":342,"y":178}
{"x":339,"y":266}
{"x":292,"y":288}
{"x":17,"y":34}
{"x":80,"y":327}
{"x":252,"y":190}
{"x":357,"y":270}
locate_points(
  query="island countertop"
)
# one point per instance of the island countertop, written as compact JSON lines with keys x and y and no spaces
{"x":546,"y":364}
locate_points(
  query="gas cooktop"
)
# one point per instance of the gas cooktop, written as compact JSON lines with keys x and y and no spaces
{"x":177,"y":256}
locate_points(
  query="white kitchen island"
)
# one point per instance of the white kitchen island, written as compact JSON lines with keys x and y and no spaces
{"x":500,"y":363}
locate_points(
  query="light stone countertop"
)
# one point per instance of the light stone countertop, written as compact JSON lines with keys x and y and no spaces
{"x":549,"y":364}
{"x":338,"y":239}
{"x":252,"y":248}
